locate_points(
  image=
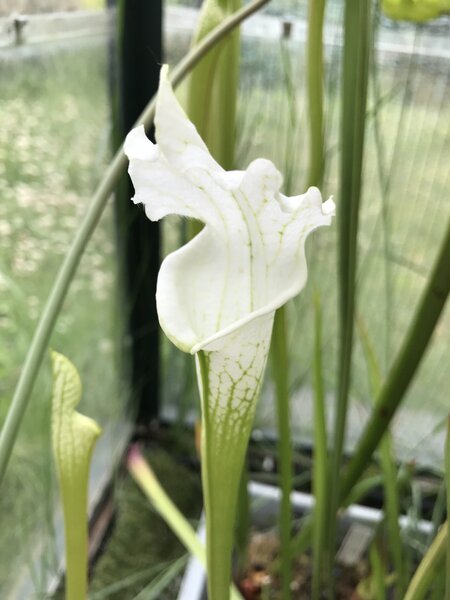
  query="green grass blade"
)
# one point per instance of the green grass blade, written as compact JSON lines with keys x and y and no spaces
{"x":126,"y":582}
{"x":357,"y":44}
{"x":279,"y":363}
{"x":378,"y":575}
{"x":156,"y":587}
{"x":290,"y":162}
{"x":439,"y":509}
{"x":315,"y":78}
{"x":388,"y":467}
{"x":439,"y":587}
{"x":447,"y":483}
{"x":320,"y":468}
{"x":302,"y":540}
{"x":147,"y":481}
{"x":429,"y":567}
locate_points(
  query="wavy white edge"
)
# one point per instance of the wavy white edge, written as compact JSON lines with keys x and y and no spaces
{"x":179,"y":176}
{"x":328,"y":208}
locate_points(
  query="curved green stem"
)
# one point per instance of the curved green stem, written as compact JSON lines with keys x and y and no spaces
{"x":66,"y":273}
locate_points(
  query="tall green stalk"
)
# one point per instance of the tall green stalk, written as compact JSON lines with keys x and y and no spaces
{"x":290,"y":162}
{"x":320,"y":471}
{"x":69,"y":266}
{"x":357,"y":45}
{"x":389,"y":470}
{"x":404,"y":367}
{"x":447,"y":485}
{"x":280,"y":371}
{"x":378,"y":576}
{"x":431,"y":564}
{"x":315,"y":77}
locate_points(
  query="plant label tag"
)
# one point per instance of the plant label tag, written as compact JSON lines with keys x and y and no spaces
{"x":354,"y":544}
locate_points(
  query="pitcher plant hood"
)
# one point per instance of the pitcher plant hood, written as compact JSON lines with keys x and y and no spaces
{"x":248,"y":260}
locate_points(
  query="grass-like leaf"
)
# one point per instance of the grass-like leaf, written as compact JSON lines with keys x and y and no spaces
{"x":431,"y":564}
{"x":447,"y":485}
{"x":388,"y":467}
{"x":147,"y":481}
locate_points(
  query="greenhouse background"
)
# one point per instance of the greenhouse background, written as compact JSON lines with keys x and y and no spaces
{"x":58,"y":92}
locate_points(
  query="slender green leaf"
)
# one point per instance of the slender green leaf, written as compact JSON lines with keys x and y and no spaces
{"x":357,"y":45}
{"x":389,"y":469}
{"x":126,"y":582}
{"x":315,"y":77}
{"x":156,"y":587}
{"x":378,"y":573}
{"x":320,"y":466}
{"x":447,"y":482}
{"x":431,"y":564}
{"x":280,"y":373}
{"x":147,"y":481}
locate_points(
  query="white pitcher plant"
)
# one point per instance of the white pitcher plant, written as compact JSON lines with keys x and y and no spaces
{"x":217,"y":295}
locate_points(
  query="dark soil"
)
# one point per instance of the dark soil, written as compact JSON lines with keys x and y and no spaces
{"x":261,"y":582}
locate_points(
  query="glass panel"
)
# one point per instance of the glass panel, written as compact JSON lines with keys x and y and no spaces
{"x":404,"y":206}
{"x":54,"y":145}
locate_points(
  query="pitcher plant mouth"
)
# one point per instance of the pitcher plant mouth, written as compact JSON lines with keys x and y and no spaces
{"x":249,"y":258}
{"x":276,"y":303}
{"x":217,"y":295}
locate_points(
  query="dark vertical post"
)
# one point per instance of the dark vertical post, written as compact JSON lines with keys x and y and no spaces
{"x":138,"y":57}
